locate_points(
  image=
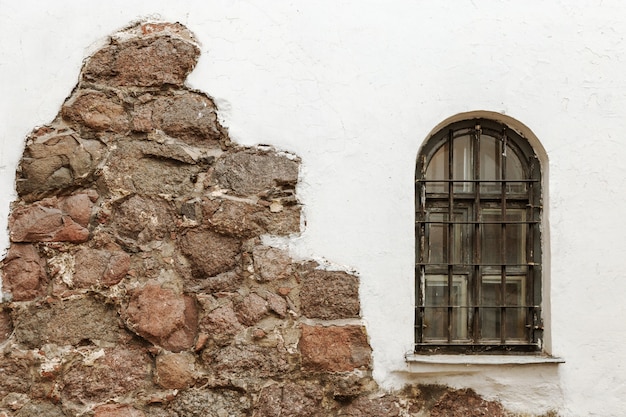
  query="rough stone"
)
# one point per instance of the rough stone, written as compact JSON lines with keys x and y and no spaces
{"x":207,"y":402}
{"x":16,"y":375}
{"x":106,"y":373}
{"x":97,"y":111}
{"x":375,"y":407}
{"x":226,"y":282}
{"x":99,"y":267}
{"x":175,"y":370}
{"x":56,"y":161}
{"x":6,"y":325}
{"x":272,"y":264}
{"x":38,"y":409}
{"x":210,"y":253}
{"x":133,"y":168}
{"x":252,"y":173}
{"x":329,"y":295}
{"x":251,"y":309}
{"x":141,"y":219}
{"x":221,"y":324}
{"x":334,"y":348}
{"x":290,"y":400}
{"x":50,"y":221}
{"x":188,"y":116}
{"x":147,"y":62}
{"x":24,"y":274}
{"x":117,"y":410}
{"x":234,"y":363}
{"x":276,"y":303}
{"x":466,"y":403}
{"x":163,"y":317}
{"x":66,"y":322}
{"x":245,"y":220}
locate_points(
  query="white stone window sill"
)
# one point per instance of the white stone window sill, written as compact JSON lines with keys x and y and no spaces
{"x":412,"y":358}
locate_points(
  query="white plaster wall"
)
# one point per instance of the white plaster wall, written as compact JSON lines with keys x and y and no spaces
{"x":354,"y":87}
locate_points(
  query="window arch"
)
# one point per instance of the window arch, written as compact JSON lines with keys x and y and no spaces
{"x":478,"y":241}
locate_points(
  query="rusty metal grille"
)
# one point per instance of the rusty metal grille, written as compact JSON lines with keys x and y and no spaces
{"x":478,"y":241}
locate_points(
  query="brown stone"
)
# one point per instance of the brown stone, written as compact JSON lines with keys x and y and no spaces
{"x":251,"y":309}
{"x":276,"y":303}
{"x":40,"y":408}
{"x":466,"y":403}
{"x":253,"y":173}
{"x":271,"y":264}
{"x":104,"y":374}
{"x":375,"y":407}
{"x":66,"y":322}
{"x":97,"y":111}
{"x":209,"y":253}
{"x":329,"y":295}
{"x":24,"y":274}
{"x":221,"y":324}
{"x":245,"y":220}
{"x":175,"y":370}
{"x":189,"y":116}
{"x":46,"y":221}
{"x":117,"y":410}
{"x":142,"y":219}
{"x":290,"y":400}
{"x":211,"y":402}
{"x":226,"y":282}
{"x":233,"y":363}
{"x":16,"y":375}
{"x":143,"y":62}
{"x":56,"y":162}
{"x":6,"y":325}
{"x":334,"y":348}
{"x":163,"y":317}
{"x":95,"y":267}
{"x":146,"y":167}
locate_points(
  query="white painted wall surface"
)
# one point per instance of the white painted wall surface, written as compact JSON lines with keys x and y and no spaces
{"x":354,"y":87}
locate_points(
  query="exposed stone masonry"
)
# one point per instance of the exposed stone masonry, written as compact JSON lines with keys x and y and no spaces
{"x":136,"y":284}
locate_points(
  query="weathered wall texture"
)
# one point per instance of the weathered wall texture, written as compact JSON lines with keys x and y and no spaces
{"x":136,"y":283}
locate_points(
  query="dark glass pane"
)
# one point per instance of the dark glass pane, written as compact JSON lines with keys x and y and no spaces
{"x":490,"y":159}
{"x":463,"y":164}
{"x":514,"y":171}
{"x":437,"y":239}
{"x":516,"y":324}
{"x":491,"y":294}
{"x":436,"y":297}
{"x":490,"y":323}
{"x":438,"y":170}
{"x":435,"y":324}
{"x":492,"y":247}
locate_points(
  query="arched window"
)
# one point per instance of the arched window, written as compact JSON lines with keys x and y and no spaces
{"x":478,"y":241}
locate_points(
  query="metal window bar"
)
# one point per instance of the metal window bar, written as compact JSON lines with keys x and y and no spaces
{"x":503,"y":251}
{"x":449,"y":233}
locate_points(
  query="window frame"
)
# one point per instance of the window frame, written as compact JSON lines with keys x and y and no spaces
{"x":475,"y":200}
